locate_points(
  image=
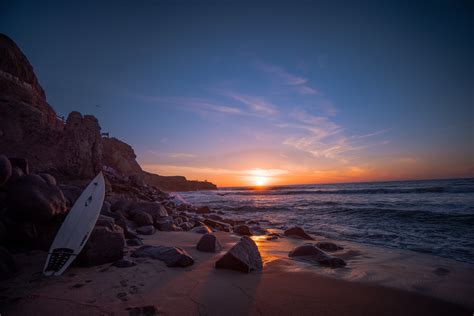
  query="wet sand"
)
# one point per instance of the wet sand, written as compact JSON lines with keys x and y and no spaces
{"x":284,"y":287}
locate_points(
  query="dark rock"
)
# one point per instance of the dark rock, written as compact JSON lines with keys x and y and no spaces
{"x":8,"y":265}
{"x":244,"y":256}
{"x":121,"y":157}
{"x":311,"y":253}
{"x":106,"y":208}
{"x":21,"y":163}
{"x":208,"y":243}
{"x":298,"y":232}
{"x":166,"y":226}
{"x":5,"y":169}
{"x":203,"y":210}
{"x":49,"y":179}
{"x":32,"y":198}
{"x":146,"y":230}
{"x":218,"y":225}
{"x":243,"y":230}
{"x":201,"y":230}
{"x":106,"y":221}
{"x":186,"y":226}
{"x":271,"y":238}
{"x":143,"y":219}
{"x":172,"y":256}
{"x":71,"y":192}
{"x":80,"y":156}
{"x":328,"y":246}
{"x":124,"y":263}
{"x":134,"y":242}
{"x":156,"y":210}
{"x":104,"y":246}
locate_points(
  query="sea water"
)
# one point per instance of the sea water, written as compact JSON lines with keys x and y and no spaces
{"x":433,"y":216}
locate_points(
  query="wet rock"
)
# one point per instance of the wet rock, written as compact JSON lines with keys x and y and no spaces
{"x":218,"y":225}
{"x":201,"y":230}
{"x":124,"y":263}
{"x":208,"y":243}
{"x":244,"y":256}
{"x":104,"y":245}
{"x":298,"y":232}
{"x":134,"y":242}
{"x":146,"y":230}
{"x":32,"y":198}
{"x":48,"y":178}
{"x":271,"y":238}
{"x":143,"y":219}
{"x":311,"y":253}
{"x":172,"y":256}
{"x":214,"y":217}
{"x":328,"y":246}
{"x":243,"y":230}
{"x":8,"y":265}
{"x":5,"y":169}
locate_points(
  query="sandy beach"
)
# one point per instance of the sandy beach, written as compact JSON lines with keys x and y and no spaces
{"x":284,"y":287}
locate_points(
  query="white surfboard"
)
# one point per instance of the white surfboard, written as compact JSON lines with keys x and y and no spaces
{"x":76,"y":228}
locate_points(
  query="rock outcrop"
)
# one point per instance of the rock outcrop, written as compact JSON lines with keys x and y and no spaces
{"x":208,"y":243}
{"x":298,"y":232}
{"x":172,"y":256}
{"x":71,"y":149}
{"x":105,"y":245}
{"x":244,"y":257}
{"x":311,"y":253}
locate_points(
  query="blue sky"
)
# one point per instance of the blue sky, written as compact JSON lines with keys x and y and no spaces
{"x":294,"y":92}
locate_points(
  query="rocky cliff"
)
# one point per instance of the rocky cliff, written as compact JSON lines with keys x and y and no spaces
{"x":71,"y":149}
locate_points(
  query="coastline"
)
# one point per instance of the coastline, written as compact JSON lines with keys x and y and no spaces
{"x":283,"y":287}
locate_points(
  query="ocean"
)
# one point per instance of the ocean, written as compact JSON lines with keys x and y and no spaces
{"x":431,"y":216}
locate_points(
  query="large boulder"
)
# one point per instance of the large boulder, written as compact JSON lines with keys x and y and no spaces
{"x":244,"y":257}
{"x":8,"y":265}
{"x":328,"y":246}
{"x":104,"y":245}
{"x":31,"y":197}
{"x":143,"y":219}
{"x":146,"y":230}
{"x":172,"y":256}
{"x":5,"y":169}
{"x":201,"y":230}
{"x":155,"y":210}
{"x":208,"y":243}
{"x":243,"y":230}
{"x":218,"y":225}
{"x":311,"y":253}
{"x":298,"y":232}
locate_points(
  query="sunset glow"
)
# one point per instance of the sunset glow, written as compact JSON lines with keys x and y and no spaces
{"x":260,"y":181}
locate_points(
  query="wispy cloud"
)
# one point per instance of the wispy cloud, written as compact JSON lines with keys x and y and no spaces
{"x":255,"y":104}
{"x":195,"y":104}
{"x":298,"y":83}
{"x":324,"y":138}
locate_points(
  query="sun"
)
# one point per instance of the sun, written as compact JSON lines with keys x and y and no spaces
{"x":260,"y":181}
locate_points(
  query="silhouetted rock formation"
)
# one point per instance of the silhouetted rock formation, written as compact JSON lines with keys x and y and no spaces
{"x":71,"y":149}
{"x":176,"y":183}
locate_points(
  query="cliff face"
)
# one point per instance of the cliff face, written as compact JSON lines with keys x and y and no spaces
{"x":176,"y":183}
{"x":74,"y":149}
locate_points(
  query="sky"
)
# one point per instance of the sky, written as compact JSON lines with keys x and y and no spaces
{"x":249,"y":93}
